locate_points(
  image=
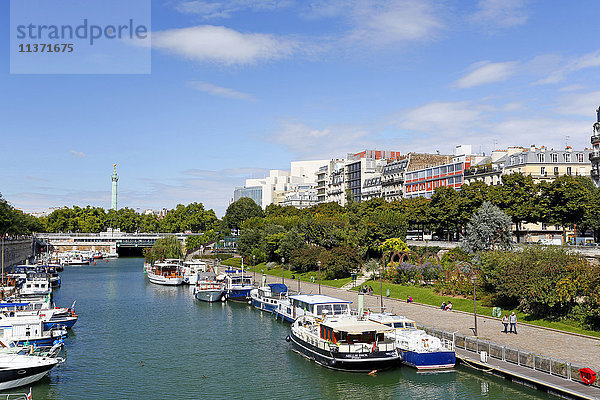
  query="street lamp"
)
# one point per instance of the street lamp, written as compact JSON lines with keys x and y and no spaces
{"x":3,"y":260}
{"x":474,"y":280}
{"x":283,"y":270}
{"x":254,"y":268}
{"x":319,"y":265}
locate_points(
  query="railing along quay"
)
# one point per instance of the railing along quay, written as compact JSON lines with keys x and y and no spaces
{"x":527,"y":359}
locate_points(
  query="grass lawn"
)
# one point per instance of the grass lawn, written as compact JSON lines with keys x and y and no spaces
{"x":306,"y":277}
{"x":427,"y":295}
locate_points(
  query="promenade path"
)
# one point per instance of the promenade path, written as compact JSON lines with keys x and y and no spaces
{"x":557,"y":344}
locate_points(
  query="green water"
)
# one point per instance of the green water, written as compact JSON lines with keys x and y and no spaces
{"x":136,"y":340}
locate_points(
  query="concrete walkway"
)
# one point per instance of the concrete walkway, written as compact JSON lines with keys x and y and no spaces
{"x":557,"y":344}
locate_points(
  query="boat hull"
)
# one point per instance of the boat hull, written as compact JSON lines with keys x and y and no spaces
{"x":210,"y":296}
{"x":432,"y":360}
{"x":66,"y":323}
{"x":363,"y":362}
{"x":261,"y":305}
{"x":238,"y":294}
{"x":12,"y":378}
{"x":166,"y":281}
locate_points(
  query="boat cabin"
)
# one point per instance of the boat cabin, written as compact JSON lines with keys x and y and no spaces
{"x":168,"y":270}
{"x":398,"y":322}
{"x":351,"y":332}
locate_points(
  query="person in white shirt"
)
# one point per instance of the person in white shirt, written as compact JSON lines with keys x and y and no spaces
{"x":513,"y":322}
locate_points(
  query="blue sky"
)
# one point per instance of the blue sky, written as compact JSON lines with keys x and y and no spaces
{"x":239,"y":87}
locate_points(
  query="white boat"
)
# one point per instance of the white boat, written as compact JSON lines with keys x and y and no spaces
{"x":194,"y":271}
{"x":418,"y":349}
{"x":28,"y":330}
{"x":36,"y":284}
{"x":344,"y":343}
{"x":165,"y":274}
{"x":268,"y":297}
{"x":209,"y":291}
{"x":311,"y":304}
{"x":20,"y":370}
{"x":237,"y":285}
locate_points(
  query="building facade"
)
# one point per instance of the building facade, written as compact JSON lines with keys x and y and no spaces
{"x":544,"y":164}
{"x":595,"y":153}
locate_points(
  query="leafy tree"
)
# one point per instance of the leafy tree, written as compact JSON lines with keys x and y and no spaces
{"x":394,"y":244}
{"x":489,"y":229}
{"x":519,"y":197}
{"x":445,"y":209}
{"x":340,"y":261}
{"x":167,"y":247}
{"x":290,"y":241}
{"x":566,"y":197}
{"x":305,"y":258}
{"x":241,"y":210}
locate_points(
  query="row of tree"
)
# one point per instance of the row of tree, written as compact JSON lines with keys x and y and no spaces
{"x":15,"y":222}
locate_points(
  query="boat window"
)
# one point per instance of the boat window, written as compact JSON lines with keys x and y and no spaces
{"x":410,"y":325}
{"x":398,"y":325}
{"x":339,"y":308}
{"x":342,"y":336}
{"x":380,"y":337}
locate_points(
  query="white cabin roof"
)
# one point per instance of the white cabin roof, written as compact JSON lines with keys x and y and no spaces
{"x":318,"y":299}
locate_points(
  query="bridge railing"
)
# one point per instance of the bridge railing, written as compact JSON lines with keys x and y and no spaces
{"x":528,"y":359}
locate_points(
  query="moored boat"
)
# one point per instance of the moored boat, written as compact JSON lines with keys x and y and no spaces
{"x":19,"y":370}
{"x":209,"y":291}
{"x":267,"y":298}
{"x":237,"y":285}
{"x":418,"y":349}
{"x":310,"y":304}
{"x":344,"y":343}
{"x":165,"y":274}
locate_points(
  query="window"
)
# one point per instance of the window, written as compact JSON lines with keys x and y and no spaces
{"x":450,"y":168}
{"x":443,"y":170}
{"x":555,"y":170}
{"x":568,"y":170}
{"x":544,"y":226}
{"x":540,"y":157}
{"x":580,"y":157}
{"x":554,"y":157}
{"x":567,"y":157}
{"x":542,"y":170}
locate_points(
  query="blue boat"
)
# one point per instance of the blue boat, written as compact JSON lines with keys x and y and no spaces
{"x":267,"y":298}
{"x":237,"y":285}
{"x":418,"y":349}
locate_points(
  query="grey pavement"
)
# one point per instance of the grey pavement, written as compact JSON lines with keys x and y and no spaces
{"x":557,"y":344}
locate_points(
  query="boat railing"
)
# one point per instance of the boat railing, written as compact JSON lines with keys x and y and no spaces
{"x":14,"y":396}
{"x":538,"y":362}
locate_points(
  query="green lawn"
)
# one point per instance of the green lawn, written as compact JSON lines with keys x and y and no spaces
{"x":306,"y":277}
{"x":427,"y":295}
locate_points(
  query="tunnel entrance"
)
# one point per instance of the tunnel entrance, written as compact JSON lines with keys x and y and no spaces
{"x":130,"y":251}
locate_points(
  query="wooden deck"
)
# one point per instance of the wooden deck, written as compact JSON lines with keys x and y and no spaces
{"x":536,"y":379}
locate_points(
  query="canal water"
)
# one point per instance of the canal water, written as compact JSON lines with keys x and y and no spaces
{"x":136,"y":340}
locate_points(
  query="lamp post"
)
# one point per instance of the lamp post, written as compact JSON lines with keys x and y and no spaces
{"x":254,"y":269}
{"x":283,"y":270}
{"x":381,"y":287}
{"x":319,"y":265}
{"x":3,"y":260}
{"x":474,"y":279}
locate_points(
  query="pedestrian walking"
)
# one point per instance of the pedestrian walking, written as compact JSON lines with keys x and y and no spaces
{"x":505,"y":322}
{"x":513,"y":322}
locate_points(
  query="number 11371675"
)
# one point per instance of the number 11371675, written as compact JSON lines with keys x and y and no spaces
{"x":46,"y":48}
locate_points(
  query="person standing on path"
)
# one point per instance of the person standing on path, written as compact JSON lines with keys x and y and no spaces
{"x":505,"y":322}
{"x":513,"y":322}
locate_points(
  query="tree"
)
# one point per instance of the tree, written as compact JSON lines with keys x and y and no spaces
{"x":489,"y":229}
{"x":241,"y":210}
{"x":340,"y":261}
{"x":566,"y":198}
{"x":519,"y":197}
{"x":445,"y":209}
{"x":290,"y":241}
{"x":167,"y":247}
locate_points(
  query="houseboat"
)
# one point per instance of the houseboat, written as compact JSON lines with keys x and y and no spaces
{"x":417,"y":348}
{"x":237,"y":285}
{"x":310,"y":304}
{"x":344,"y":343}
{"x":165,"y":273}
{"x":268,"y":297}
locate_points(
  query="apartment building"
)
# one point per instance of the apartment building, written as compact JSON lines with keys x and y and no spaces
{"x":595,"y":153}
{"x":489,"y":170}
{"x":544,"y":164}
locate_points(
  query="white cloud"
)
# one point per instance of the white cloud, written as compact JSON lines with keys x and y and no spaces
{"x":494,"y":14}
{"x":582,"y":104}
{"x":487,"y":72}
{"x":590,"y":60}
{"x":220,"y":91}
{"x":222,"y":45}
{"x":380,"y":23}
{"x":225,"y":9}
{"x":77,"y":154}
